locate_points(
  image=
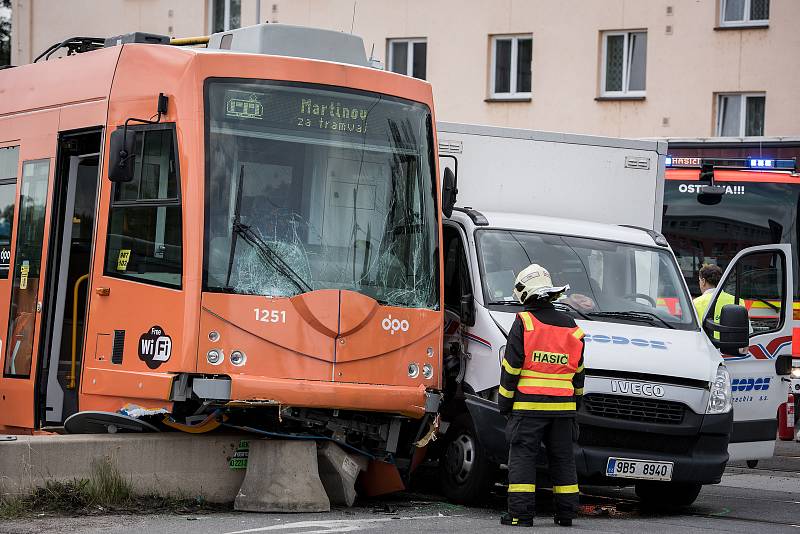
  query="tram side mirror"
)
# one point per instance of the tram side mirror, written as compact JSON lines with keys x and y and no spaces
{"x":467,"y":310}
{"x":733,"y":331}
{"x":121,"y":158}
{"x":783,"y":365}
{"x":449,"y":192}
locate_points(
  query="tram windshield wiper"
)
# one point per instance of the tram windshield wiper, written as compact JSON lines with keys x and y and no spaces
{"x":264,"y":252}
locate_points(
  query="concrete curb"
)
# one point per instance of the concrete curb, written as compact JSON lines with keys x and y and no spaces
{"x":176,"y":464}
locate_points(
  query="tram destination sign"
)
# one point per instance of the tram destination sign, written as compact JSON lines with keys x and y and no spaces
{"x":331,"y":114}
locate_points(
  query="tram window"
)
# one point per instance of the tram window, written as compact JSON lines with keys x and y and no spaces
{"x":145,"y":230}
{"x":27,"y":267}
{"x":8,"y":194}
{"x":9,"y":161}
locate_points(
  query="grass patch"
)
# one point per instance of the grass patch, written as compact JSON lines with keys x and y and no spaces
{"x":106,"y":491}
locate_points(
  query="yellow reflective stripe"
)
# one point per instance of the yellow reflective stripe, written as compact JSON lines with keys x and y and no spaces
{"x":510,"y":370}
{"x":566,"y":489}
{"x":521,"y":488}
{"x":578,"y":333}
{"x":552,"y":406}
{"x":527,"y":321}
{"x":538,"y":382}
{"x":555,"y":376}
{"x":578,"y":391}
{"x":580,"y":369}
{"x":506,"y":393}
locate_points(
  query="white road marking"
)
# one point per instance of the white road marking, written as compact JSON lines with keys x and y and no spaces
{"x":333,"y":525}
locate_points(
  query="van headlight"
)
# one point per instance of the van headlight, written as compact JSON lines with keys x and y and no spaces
{"x":795,"y":372}
{"x":720,"y":399}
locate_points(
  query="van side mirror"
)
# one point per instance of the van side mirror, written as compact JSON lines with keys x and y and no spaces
{"x":783,"y":365}
{"x":449,"y":192}
{"x":467,"y":311}
{"x":733,"y":329}
{"x":121,"y":159}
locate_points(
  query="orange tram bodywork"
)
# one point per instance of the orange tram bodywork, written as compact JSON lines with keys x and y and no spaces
{"x":269,"y":258}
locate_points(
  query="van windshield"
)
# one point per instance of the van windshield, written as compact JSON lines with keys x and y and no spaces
{"x":608,"y":280}
{"x":311,"y":187}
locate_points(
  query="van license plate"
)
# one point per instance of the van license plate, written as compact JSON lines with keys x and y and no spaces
{"x":641,"y":469}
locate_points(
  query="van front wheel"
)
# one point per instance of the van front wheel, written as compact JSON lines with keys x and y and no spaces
{"x":466,"y":473}
{"x":667,"y":494}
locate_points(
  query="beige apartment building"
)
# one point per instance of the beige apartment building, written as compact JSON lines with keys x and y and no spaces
{"x":631,"y":68}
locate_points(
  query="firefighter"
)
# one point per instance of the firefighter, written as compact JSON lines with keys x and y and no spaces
{"x":541,"y":382}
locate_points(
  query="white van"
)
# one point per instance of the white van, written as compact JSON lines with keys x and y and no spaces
{"x":658,"y":408}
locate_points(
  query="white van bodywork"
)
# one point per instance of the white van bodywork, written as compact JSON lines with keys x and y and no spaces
{"x":648,"y":384}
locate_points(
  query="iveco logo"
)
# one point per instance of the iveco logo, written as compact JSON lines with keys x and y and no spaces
{"x":750,"y":384}
{"x":619,"y":340}
{"x":637,"y":388}
{"x":393,"y":325}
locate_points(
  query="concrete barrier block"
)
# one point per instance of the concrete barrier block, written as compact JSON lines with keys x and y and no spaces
{"x":338,"y":471}
{"x":169,"y":463}
{"x":282,"y":476}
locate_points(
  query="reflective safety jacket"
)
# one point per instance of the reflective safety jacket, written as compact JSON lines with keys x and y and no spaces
{"x":702,"y":302}
{"x":542,"y":368}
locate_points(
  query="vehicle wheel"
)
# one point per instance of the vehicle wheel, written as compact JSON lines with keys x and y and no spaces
{"x":752,"y":464}
{"x":466,"y":474}
{"x":667,"y":494}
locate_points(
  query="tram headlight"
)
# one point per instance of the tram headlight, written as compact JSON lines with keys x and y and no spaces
{"x":213,"y":336}
{"x":238,"y":358}
{"x":215,"y":356}
{"x":720,"y":399}
{"x":413,"y":370}
{"x":427,"y":371}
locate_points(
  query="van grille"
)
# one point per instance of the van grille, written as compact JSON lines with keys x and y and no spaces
{"x":633,"y":409}
{"x":610,"y":438}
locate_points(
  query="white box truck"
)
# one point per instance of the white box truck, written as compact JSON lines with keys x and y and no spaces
{"x":658,"y":409}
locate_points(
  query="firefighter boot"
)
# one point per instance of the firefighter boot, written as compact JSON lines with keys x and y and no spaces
{"x":516,"y":521}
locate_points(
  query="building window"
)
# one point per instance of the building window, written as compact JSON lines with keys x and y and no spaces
{"x":511,"y":66}
{"x":624,"y":69}
{"x":225,"y":15}
{"x":409,"y":57}
{"x":744,"y":12}
{"x":144,"y":229}
{"x":740,"y":115}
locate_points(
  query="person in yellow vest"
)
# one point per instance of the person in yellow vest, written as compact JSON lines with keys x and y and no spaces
{"x":709,"y":278}
{"x":541,"y":382}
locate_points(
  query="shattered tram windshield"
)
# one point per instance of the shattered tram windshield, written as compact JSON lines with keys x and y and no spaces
{"x":310,"y":187}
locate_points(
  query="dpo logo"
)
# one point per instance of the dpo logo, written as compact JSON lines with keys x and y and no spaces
{"x":393,"y":325}
{"x":619,"y":340}
{"x":750,"y":384}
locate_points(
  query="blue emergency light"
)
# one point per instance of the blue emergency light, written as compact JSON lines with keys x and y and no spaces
{"x":732,"y":163}
{"x":762,"y":163}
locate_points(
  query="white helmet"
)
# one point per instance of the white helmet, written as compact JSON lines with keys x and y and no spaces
{"x":535,"y":281}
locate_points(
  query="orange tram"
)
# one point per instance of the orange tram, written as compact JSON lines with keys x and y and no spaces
{"x":246,"y":233}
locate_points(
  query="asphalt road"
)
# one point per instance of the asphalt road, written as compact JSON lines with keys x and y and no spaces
{"x":764,"y":499}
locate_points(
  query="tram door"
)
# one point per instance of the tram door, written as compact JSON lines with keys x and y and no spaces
{"x":24,"y":225}
{"x":66,"y":292}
